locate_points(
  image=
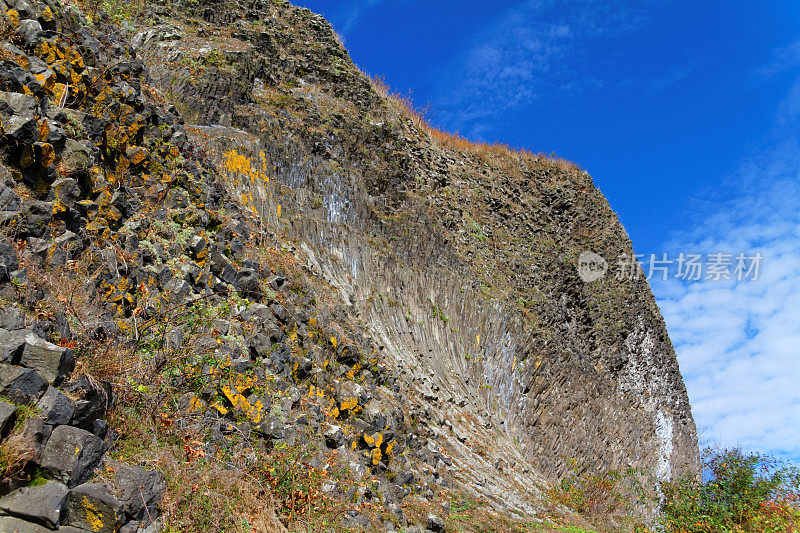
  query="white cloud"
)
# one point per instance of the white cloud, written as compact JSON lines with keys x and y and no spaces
{"x":738,"y":343}
{"x":351,"y":15}
{"x":535,"y":48}
{"x":785,"y":59}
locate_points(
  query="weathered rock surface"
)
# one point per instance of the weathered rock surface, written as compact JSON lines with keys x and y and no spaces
{"x":139,"y":491}
{"x":22,"y":385}
{"x":13,"y":524}
{"x":276,"y":256}
{"x":7,"y":417}
{"x":71,"y":455}
{"x":90,"y":507}
{"x":40,"y":504}
{"x":53,"y":362}
{"x":57,"y":408}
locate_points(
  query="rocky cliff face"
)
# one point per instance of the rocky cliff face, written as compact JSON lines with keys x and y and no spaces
{"x":410,"y":302}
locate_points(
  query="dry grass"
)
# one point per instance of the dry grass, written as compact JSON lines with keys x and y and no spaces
{"x":493,"y":153}
{"x":203,"y":493}
{"x":16,"y":451}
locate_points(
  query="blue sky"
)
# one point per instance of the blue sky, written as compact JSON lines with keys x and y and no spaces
{"x":687,"y":116}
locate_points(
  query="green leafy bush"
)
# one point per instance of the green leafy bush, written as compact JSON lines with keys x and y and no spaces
{"x":737,"y":492}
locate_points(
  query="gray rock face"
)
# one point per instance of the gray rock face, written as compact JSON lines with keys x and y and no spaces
{"x":57,"y":408}
{"x":436,"y":524}
{"x":22,"y":129}
{"x":8,"y":260}
{"x":92,"y":508}
{"x":92,"y":401}
{"x":53,"y":362}
{"x":467,"y":322}
{"x":29,"y":31}
{"x":247,"y":281}
{"x":11,"y":345}
{"x":11,"y":524}
{"x":484,"y":316}
{"x":9,"y":200}
{"x":34,"y":214}
{"x":77,"y":156}
{"x":22,"y":385}
{"x":8,"y":414}
{"x":71,"y":455}
{"x":65,"y":190}
{"x":137,"y":489}
{"x":18,"y":104}
{"x":334,"y":437}
{"x":42,"y":504}
{"x":12,"y":319}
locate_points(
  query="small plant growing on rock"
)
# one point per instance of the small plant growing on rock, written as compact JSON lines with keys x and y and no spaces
{"x":598,"y":495}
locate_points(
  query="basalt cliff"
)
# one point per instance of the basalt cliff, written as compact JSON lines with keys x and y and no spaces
{"x":244,"y":288}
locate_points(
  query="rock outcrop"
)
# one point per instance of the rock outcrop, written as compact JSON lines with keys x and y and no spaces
{"x":259,"y":249}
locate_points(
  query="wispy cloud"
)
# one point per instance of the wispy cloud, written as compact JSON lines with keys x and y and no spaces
{"x":738,"y":343}
{"x":534,"y":48}
{"x":785,"y":59}
{"x":350,"y":15}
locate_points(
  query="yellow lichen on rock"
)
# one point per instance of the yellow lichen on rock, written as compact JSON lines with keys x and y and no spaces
{"x":93,"y":517}
{"x":348,"y":404}
{"x":13,"y":17}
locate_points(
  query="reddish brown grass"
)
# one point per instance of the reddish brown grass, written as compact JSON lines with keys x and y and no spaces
{"x":456,"y":142}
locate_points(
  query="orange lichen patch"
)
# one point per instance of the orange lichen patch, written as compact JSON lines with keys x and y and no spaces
{"x":245,"y":383}
{"x":327,"y":403}
{"x":348,"y":404}
{"x":113,"y":215}
{"x":46,"y":154}
{"x":136,"y":154}
{"x":47,"y":51}
{"x":59,"y":92}
{"x":255,"y":411}
{"x":20,"y":59}
{"x":13,"y":17}
{"x":47,"y":15}
{"x":52,"y":51}
{"x":65,"y":69}
{"x":376,"y":456}
{"x":237,"y":400}
{"x":233,"y":161}
{"x":93,"y":517}
{"x":117,"y":138}
{"x":233,"y":395}
{"x":374,"y":441}
{"x":353,"y":371}
{"x":98,"y":226}
{"x":220,"y":408}
{"x":197,"y":405}
{"x":44,"y":130}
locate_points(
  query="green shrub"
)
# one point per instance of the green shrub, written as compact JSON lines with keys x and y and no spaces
{"x":737,"y":492}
